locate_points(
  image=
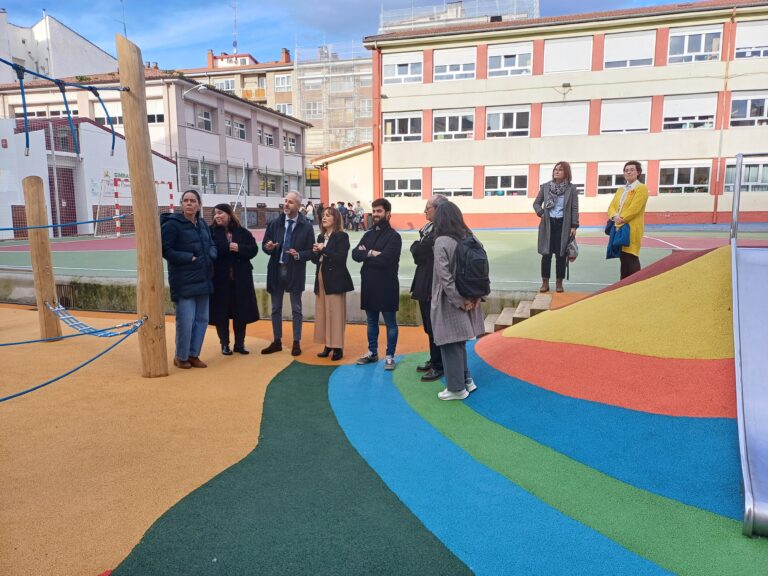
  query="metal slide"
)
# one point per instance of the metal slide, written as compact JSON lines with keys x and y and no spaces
{"x":749,"y":270}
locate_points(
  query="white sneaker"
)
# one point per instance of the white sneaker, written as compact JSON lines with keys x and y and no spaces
{"x":368,"y":358}
{"x":389,"y":363}
{"x":449,"y":395}
{"x":470,"y":385}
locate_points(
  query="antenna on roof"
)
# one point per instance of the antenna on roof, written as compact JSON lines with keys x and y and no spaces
{"x":234,"y":41}
{"x":125,"y":31}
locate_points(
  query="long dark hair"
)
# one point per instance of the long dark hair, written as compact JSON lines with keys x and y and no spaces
{"x":234,"y":222}
{"x":449,"y":221}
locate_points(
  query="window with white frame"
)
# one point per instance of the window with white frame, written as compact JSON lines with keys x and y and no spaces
{"x":568,"y":54}
{"x":402,"y":127}
{"x":366,"y":80}
{"x":626,"y":115}
{"x":366,"y":108}
{"x":366,"y":134}
{"x":285,"y":108}
{"x":506,"y":180}
{"x":204,"y":121}
{"x":629,"y":49}
{"x":155,"y":112}
{"x":268,"y":185}
{"x":454,"y":64}
{"x":754,"y":176}
{"x":227,"y":85}
{"x":402,"y":183}
{"x":313,"y":110}
{"x":689,"y":111}
{"x":267,"y":135}
{"x":564,"y":118}
{"x":453,"y":124}
{"x":610,"y":176}
{"x":312,"y":84}
{"x":289,"y":142}
{"x":114,"y":109}
{"x":282,"y":83}
{"x":507,"y":122}
{"x":402,"y":67}
{"x":202,"y":175}
{"x":749,"y":109}
{"x":452,"y":181}
{"x":234,"y":127}
{"x":676,"y":179}
{"x":578,"y":175}
{"x":752,"y":39}
{"x":509,"y":59}
{"x":694,"y":44}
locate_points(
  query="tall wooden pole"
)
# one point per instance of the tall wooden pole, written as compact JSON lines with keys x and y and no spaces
{"x":150,"y":287}
{"x":40,"y":249}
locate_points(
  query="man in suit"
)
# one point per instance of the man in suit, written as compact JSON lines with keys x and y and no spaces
{"x":421,"y":287}
{"x":288,"y":241}
{"x":379,"y":251}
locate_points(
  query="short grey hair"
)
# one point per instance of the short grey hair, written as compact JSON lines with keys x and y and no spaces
{"x":298,"y":195}
{"x":438,"y":199}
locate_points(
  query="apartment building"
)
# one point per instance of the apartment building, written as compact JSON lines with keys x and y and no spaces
{"x":482,"y":111}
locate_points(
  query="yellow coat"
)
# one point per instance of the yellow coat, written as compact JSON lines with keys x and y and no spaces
{"x":632,"y":212}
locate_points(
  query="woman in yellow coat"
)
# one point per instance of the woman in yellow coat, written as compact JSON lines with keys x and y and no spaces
{"x":628,"y":207}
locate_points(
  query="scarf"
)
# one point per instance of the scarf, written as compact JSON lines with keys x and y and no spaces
{"x":627,"y":189}
{"x":555,"y":189}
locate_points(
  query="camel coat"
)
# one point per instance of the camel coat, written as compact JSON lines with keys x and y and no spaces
{"x":632,"y":212}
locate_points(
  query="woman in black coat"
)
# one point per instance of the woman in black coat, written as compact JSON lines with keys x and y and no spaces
{"x":332,"y":282}
{"x":233,"y":293}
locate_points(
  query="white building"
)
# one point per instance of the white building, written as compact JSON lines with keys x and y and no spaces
{"x":51,"y":48}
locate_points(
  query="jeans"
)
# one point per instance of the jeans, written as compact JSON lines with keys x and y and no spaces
{"x":191,"y":324}
{"x":390,"y":319}
{"x":277,"y":309}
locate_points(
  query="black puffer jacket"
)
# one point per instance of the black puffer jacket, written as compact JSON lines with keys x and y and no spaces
{"x":190,"y":253}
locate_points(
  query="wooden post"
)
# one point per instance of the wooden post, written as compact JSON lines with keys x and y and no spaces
{"x":40,"y":249}
{"x":150,"y":286}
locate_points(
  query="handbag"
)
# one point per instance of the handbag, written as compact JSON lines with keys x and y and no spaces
{"x":608,"y":227}
{"x":572,"y":250}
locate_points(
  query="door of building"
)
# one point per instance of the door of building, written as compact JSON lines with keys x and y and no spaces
{"x":64,"y":184}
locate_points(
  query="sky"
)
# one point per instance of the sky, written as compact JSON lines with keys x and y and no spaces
{"x":178,"y":33}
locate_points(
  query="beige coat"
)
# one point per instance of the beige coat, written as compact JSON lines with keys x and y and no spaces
{"x":449,"y":322}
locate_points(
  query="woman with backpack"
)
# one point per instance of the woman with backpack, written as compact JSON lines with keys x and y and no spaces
{"x":557,"y":204}
{"x":455,"y":318}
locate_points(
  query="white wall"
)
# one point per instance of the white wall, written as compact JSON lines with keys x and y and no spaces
{"x":351,"y":179}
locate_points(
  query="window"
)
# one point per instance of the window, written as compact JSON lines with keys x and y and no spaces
{"x":225,"y":85}
{"x":366,"y":134}
{"x":366,"y":81}
{"x":568,"y":54}
{"x":752,"y":39}
{"x":630,"y":49}
{"x":366,"y":108}
{"x":202,"y":175}
{"x":402,"y":127}
{"x":204,"y":121}
{"x":754,"y":176}
{"x":452,"y":181}
{"x":455,"y":64}
{"x":507,"y":122}
{"x":238,"y":128}
{"x":578,"y":174}
{"x":509,"y":59}
{"x":694,"y":45}
{"x":630,"y":115}
{"x":243,"y":61}
{"x":283,"y":83}
{"x":564,"y":118}
{"x":313,"y":110}
{"x":402,"y":67}
{"x":268,"y":184}
{"x":611,"y":175}
{"x":453,"y":124}
{"x":313,"y":84}
{"x":689,"y":112}
{"x":683,"y":179}
{"x":402,"y":183}
{"x":289,"y":142}
{"x":344,"y":84}
{"x":154,"y":118}
{"x":506,"y":181}
{"x":266,"y":135}
{"x":285,"y":109}
{"x":749,"y":109}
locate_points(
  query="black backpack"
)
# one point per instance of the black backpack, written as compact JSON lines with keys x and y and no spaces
{"x":472,"y":272}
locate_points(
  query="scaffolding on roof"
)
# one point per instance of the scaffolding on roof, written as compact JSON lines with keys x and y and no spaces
{"x":457,"y":12}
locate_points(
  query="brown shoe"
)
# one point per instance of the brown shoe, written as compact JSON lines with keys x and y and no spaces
{"x":276,"y":346}
{"x":559,"y":285}
{"x":196,"y":362}
{"x":184,"y":364}
{"x":296,"y":348}
{"x":544,"y":285}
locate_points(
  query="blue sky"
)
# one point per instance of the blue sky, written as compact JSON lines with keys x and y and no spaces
{"x":177,"y":34}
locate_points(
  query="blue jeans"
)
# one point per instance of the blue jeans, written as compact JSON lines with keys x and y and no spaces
{"x":191,"y":324}
{"x":390,"y":319}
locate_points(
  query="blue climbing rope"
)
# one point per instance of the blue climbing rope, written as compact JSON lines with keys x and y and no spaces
{"x":63,"y":90}
{"x":102,"y":332}
{"x":18,"y":228}
{"x":109,"y":118}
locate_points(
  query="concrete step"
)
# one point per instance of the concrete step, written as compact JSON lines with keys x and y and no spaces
{"x":523,"y":312}
{"x":541,"y":303}
{"x":490,"y":321}
{"x":505,"y":319}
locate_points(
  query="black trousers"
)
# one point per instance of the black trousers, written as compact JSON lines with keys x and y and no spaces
{"x":435,"y":357}
{"x":555,"y":235}
{"x":629,"y":264}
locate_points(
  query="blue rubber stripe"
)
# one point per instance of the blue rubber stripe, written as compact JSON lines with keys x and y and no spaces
{"x":691,"y":460}
{"x":491,"y":524}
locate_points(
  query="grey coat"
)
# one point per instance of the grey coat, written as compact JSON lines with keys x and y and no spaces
{"x":570,"y":217}
{"x":449,"y":322}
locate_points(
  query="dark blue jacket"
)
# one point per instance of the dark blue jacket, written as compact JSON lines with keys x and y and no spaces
{"x":190,"y":252}
{"x":302,"y":240}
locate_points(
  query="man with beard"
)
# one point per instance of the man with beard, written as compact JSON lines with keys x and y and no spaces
{"x":288,"y":241}
{"x":379,"y":251}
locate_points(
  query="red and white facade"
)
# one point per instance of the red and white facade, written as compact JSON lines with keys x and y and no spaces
{"x":482,"y":112}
